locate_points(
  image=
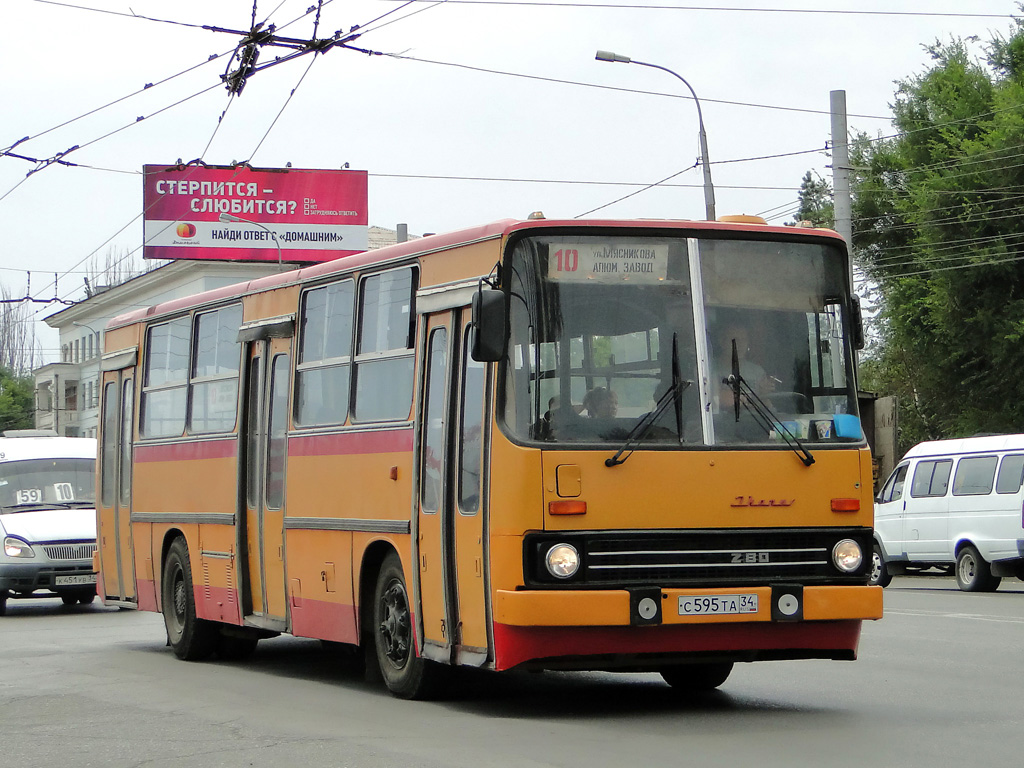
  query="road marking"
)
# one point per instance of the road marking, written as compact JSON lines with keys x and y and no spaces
{"x":945,"y":615}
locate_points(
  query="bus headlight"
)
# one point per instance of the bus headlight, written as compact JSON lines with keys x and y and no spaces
{"x":562,"y":561}
{"x":17,"y":548}
{"x":847,"y":555}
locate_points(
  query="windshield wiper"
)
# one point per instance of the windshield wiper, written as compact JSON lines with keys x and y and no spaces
{"x":743,"y":394}
{"x":672,"y":395}
{"x":31,"y":505}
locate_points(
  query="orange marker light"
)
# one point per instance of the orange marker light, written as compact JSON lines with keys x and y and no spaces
{"x":567,"y":507}
{"x":846,"y":505}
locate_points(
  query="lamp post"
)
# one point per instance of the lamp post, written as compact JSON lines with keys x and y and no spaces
{"x":709,"y":189}
{"x":94,"y":391}
{"x":99,"y":338}
{"x":227,"y":218}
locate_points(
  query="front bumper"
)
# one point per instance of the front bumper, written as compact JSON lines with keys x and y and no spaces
{"x":29,"y":576}
{"x":613,"y":629}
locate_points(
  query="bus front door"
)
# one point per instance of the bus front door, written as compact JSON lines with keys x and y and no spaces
{"x":265,"y":435}
{"x":451,"y":581}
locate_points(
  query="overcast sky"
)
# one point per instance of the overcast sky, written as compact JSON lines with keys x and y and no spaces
{"x":476,"y":111}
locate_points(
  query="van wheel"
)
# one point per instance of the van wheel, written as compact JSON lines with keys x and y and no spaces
{"x":973,"y":574}
{"x":880,"y":575}
{"x":406,"y":674}
{"x":190,"y":638}
{"x":3,"y":601}
{"x":695,"y":678}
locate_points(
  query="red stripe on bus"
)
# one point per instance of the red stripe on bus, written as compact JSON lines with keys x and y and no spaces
{"x":342,"y":443}
{"x":323,"y":620}
{"x":514,"y":645}
{"x":193,"y":451}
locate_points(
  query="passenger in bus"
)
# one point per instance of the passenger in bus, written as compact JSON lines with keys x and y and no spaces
{"x":542,"y":427}
{"x":601,"y":403}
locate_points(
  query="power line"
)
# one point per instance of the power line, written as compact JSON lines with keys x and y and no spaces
{"x":640,"y":7}
{"x":561,"y":81}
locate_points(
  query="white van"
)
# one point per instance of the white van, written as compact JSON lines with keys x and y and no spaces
{"x":47,"y":517}
{"x":954,"y":502}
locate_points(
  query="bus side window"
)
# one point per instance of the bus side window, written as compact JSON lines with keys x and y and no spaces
{"x":165,"y":379}
{"x":384,"y":360}
{"x":325,"y":355}
{"x":931,"y":478}
{"x":1011,"y":474}
{"x":893,"y":490}
{"x":974,"y":476}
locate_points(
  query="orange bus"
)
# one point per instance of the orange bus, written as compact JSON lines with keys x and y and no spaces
{"x":540,"y":444}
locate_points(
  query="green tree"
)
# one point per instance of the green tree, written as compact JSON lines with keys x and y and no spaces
{"x":816,"y":203}
{"x":17,"y":409}
{"x":936,"y":226}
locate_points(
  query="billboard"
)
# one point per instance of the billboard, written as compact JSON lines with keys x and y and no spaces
{"x":239,"y":213}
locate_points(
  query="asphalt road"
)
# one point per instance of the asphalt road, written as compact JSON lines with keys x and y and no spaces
{"x":938,"y":683}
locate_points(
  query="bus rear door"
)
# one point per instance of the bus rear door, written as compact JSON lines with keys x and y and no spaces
{"x":265,"y":436}
{"x":114,"y":537}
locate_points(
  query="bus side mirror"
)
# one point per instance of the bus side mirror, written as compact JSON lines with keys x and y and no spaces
{"x":858,"y":323}
{"x":488,"y":325}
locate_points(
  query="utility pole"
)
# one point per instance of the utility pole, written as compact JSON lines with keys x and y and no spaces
{"x":841,"y":167}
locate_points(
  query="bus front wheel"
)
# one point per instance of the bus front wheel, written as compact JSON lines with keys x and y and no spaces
{"x":191,"y":638}
{"x":880,"y":575}
{"x":695,"y":678}
{"x":406,"y":674}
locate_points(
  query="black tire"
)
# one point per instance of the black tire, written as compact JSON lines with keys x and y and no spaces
{"x":880,"y":575}
{"x":69,"y":599}
{"x":86,"y":598}
{"x":973,"y":573}
{"x":4,"y":594}
{"x":231,"y":648}
{"x":697,"y":678}
{"x":407,"y":675}
{"x":190,"y":638}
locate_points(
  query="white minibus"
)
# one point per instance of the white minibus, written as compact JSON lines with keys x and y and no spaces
{"x":47,"y":517}
{"x":954,"y":503}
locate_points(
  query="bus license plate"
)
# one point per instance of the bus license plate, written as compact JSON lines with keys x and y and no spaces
{"x":700,"y":605}
{"x":77,"y":578}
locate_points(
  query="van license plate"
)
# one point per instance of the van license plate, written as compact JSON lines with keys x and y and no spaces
{"x":701,"y":605}
{"x":78,"y":578}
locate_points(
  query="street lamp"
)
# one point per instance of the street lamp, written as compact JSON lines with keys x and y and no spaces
{"x":709,"y":190}
{"x":99,"y":339}
{"x":227,"y":218}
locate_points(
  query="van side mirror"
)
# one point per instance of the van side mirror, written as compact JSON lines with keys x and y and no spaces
{"x":857,"y":320}
{"x":489,"y":325}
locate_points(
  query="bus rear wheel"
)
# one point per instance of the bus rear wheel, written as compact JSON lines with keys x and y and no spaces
{"x":973,"y":574}
{"x":406,"y":674}
{"x":696,"y":678}
{"x":191,"y":638}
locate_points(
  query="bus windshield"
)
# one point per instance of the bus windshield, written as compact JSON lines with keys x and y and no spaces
{"x":36,"y":483}
{"x":602,"y":326}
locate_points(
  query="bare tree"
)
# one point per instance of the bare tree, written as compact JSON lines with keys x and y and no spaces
{"x":119,"y":266}
{"x":20,"y":350}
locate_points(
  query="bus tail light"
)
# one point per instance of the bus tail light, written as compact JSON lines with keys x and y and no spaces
{"x":846,"y":505}
{"x":567,"y":507}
